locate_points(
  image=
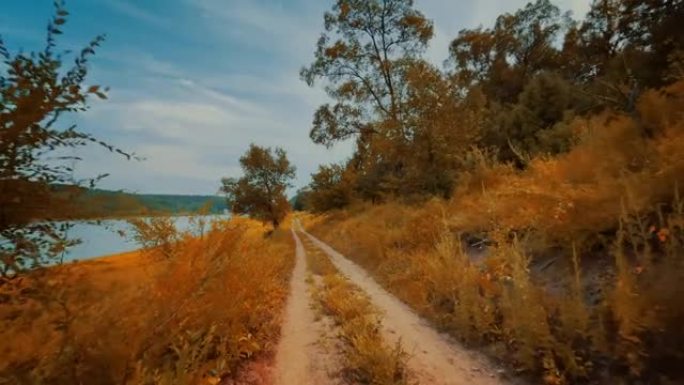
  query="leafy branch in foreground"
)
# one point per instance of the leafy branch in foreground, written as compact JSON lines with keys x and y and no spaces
{"x":36,"y":92}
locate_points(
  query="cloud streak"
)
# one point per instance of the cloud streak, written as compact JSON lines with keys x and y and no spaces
{"x":194,"y":82}
{"x":136,"y":12}
{"x":451,"y":16}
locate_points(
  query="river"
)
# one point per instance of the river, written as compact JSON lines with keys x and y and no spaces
{"x":105,"y":239}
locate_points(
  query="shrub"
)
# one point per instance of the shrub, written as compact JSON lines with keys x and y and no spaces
{"x":137,"y":319}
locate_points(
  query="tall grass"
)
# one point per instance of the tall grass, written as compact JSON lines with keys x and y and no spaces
{"x":188,"y":311}
{"x":570,"y":271}
{"x":368,"y":357}
{"x":610,"y":323}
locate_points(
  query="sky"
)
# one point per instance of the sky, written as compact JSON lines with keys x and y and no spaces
{"x":194,"y":82}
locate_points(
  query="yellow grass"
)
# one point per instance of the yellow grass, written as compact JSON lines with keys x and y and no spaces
{"x":608,"y":216}
{"x":368,"y":358}
{"x":141,"y":318}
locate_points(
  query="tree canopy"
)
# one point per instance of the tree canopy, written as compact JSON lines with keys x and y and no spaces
{"x":510,"y":90}
{"x":260,"y":193}
{"x":361,"y":55}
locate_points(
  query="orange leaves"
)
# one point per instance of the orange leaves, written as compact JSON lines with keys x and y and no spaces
{"x":336,"y":51}
{"x":413,"y":20}
{"x":348,"y":89}
{"x":417,"y":22}
{"x":662,"y":234}
{"x":488,"y":285}
{"x":248,"y":346}
{"x":344,"y":9}
{"x":661,"y":109}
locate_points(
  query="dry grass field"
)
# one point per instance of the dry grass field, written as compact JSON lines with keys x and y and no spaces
{"x":195,"y":313}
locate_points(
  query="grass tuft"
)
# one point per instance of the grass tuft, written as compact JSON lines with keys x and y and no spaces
{"x":195,"y":311}
{"x":368,"y":358}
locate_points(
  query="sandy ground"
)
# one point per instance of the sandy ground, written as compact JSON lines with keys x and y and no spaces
{"x":300,"y":358}
{"x":434,"y":359}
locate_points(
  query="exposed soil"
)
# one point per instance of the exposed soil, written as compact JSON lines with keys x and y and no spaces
{"x":301,"y":359}
{"x":433,"y":358}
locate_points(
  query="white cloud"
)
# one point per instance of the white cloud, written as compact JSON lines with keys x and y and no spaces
{"x":192,"y":125}
{"x":291,"y":31}
{"x":198,"y":133}
{"x":451,"y":16}
{"x":579,"y":8}
{"x":137,"y":12}
{"x":181,"y":160}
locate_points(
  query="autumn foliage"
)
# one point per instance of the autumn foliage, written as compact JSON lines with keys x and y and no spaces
{"x":570,"y":269}
{"x":260,"y":193}
{"x":36,"y":90}
{"x":193,"y":311}
{"x":534,"y":208}
{"x":513,"y":92}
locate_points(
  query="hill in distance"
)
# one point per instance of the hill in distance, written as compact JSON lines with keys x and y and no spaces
{"x":94,"y":203}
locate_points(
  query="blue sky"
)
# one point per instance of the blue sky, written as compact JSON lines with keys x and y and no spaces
{"x":193,"y":82}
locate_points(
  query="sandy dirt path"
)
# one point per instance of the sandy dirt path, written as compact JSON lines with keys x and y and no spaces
{"x":433,"y":359}
{"x":300,"y":359}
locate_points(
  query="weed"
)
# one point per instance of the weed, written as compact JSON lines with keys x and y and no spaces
{"x":590,"y":312}
{"x":137,"y":319}
{"x":368,"y":358}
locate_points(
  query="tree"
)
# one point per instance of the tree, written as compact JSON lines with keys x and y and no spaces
{"x":299,"y":202}
{"x":534,"y":125}
{"x":502,"y":59}
{"x":362,"y":55}
{"x":331,"y":187}
{"x":601,"y":36}
{"x":653,"y":29}
{"x":532,"y":83}
{"x":444,"y":124}
{"x":36,"y":91}
{"x":474,"y":53}
{"x":260,"y":193}
{"x":628,"y":46}
{"x":534,"y":29}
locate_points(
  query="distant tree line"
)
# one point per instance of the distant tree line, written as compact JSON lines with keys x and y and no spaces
{"x":95,"y":203}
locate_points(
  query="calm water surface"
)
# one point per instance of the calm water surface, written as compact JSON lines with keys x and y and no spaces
{"x":105,"y":239}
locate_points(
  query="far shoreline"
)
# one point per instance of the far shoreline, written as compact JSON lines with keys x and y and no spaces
{"x":135,"y":216}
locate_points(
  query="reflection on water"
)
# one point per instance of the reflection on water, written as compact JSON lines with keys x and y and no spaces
{"x":105,"y":238}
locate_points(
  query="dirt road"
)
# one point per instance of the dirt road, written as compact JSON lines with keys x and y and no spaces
{"x":300,"y":360}
{"x":433,"y":358}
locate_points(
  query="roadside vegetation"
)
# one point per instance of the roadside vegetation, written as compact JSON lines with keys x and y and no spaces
{"x":368,"y":359}
{"x":567,"y":313}
{"x":191,"y":310}
{"x":570,"y":269}
{"x":190,"y":307}
{"x":527,"y":198}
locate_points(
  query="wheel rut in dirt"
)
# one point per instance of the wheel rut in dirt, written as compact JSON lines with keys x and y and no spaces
{"x":433,"y":358}
{"x":300,"y":359}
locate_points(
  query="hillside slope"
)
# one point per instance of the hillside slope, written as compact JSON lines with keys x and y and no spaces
{"x":80,"y":203}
